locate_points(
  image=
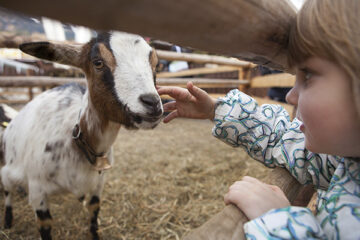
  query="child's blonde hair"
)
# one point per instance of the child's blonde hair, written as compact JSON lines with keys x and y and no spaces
{"x":329,"y":29}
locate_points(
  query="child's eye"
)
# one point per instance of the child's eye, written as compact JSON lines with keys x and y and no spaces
{"x":308,"y":75}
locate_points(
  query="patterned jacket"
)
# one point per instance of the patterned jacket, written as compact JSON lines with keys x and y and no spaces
{"x":268,"y":135}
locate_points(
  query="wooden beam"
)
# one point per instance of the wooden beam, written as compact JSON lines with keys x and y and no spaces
{"x":13,"y":40}
{"x":40,"y":81}
{"x":202,"y":58}
{"x":8,"y":101}
{"x":252,"y":30}
{"x":273,"y":80}
{"x":228,"y":224}
{"x":37,"y":81}
{"x":201,"y":82}
{"x":197,"y":71}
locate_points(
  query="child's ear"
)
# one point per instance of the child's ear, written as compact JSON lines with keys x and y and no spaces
{"x":57,"y":52}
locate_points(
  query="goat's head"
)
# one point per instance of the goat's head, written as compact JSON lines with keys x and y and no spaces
{"x":120,"y":71}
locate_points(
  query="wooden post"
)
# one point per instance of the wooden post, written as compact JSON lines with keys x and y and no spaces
{"x":228,"y":224}
{"x":30,"y":93}
{"x":244,"y":74}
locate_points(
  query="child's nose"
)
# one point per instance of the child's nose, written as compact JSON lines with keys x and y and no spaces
{"x":292,"y":96}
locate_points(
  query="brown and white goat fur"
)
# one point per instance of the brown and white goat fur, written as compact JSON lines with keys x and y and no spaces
{"x":39,"y":150}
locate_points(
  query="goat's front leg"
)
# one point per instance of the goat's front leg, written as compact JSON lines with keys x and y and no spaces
{"x":8,"y":211}
{"x":38,"y":201}
{"x":94,"y":207}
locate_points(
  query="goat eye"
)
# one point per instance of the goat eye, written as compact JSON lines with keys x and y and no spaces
{"x":98,"y":63}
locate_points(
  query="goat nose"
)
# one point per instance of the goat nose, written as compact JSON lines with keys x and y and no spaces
{"x":149,"y":100}
{"x":152,"y":102}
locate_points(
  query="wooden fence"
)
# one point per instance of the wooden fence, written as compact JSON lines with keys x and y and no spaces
{"x":244,"y":82}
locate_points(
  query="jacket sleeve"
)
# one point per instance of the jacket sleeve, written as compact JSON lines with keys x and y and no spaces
{"x":268,"y":135}
{"x":285,"y":223}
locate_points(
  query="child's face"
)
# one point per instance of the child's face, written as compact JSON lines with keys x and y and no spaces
{"x":325,"y":105}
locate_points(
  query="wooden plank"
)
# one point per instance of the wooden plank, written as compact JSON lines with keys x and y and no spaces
{"x":14,"y":39}
{"x":196,"y":71}
{"x":12,"y":93}
{"x":37,"y":81}
{"x":201,"y":82}
{"x":252,"y":30}
{"x":273,"y":80}
{"x":202,"y":58}
{"x":8,"y":101}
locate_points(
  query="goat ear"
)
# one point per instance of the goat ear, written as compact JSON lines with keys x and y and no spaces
{"x":57,"y":52}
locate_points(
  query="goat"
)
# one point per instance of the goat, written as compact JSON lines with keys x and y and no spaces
{"x":6,"y":114}
{"x":61,"y":140}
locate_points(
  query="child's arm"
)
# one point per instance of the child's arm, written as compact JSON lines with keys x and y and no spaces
{"x":268,"y":135}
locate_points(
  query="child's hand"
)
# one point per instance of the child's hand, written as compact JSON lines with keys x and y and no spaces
{"x":254,"y":198}
{"x":192,"y":102}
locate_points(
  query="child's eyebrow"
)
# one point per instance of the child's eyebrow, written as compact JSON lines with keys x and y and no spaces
{"x":307,"y":69}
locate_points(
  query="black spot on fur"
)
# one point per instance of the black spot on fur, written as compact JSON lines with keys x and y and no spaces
{"x":8,"y":217}
{"x":94,"y":200}
{"x":93,"y":221}
{"x":137,"y":41}
{"x":6,"y":193}
{"x":43,"y":215}
{"x":48,"y":147}
{"x":64,"y":103}
{"x":108,"y":79}
{"x":104,"y":37}
{"x":82,"y":198}
{"x":94,"y":224}
{"x":3,"y":117}
{"x":55,"y":157}
{"x":45,"y":233}
{"x":52,"y":175}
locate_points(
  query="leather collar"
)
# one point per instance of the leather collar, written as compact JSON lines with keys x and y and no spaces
{"x":89,"y":153}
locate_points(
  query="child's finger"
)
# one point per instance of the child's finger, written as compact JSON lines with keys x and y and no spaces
{"x":252,"y":180}
{"x":195,"y":91}
{"x":233,"y":197}
{"x":241,"y":186}
{"x":169,"y":106}
{"x":227,"y":199}
{"x":170,"y":116}
{"x":177,"y":93}
{"x":167,"y":90}
{"x":277,"y":190}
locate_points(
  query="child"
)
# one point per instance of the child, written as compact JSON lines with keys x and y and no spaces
{"x":320,"y":146}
